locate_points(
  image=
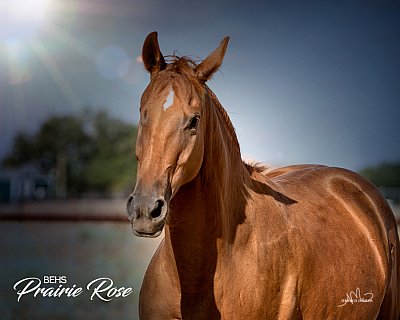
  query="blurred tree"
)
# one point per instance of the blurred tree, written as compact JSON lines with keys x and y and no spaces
{"x":91,"y":153}
{"x":112,"y":166}
{"x":384,"y":175}
{"x":21,"y":150}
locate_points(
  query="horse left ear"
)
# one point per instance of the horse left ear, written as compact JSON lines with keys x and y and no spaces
{"x":206,"y":69}
{"x":153,"y":59}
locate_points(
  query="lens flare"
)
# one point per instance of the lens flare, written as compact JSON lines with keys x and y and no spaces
{"x":26,"y":10}
{"x":20,"y":18}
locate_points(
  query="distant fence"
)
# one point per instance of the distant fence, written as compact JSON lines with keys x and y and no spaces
{"x":65,"y":217}
{"x":78,"y":210}
{"x":49,"y":217}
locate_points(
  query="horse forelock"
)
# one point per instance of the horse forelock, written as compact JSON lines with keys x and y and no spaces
{"x":185,"y":66}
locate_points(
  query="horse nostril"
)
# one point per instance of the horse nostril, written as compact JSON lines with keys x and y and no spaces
{"x":157,"y":211}
{"x":129,"y":209}
{"x":129,"y":202}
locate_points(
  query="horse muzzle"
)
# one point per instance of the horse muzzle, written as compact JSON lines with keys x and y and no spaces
{"x":147,"y":214}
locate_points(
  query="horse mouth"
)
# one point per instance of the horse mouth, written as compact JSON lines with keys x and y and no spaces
{"x":153,"y":232}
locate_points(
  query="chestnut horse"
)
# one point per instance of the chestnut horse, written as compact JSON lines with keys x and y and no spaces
{"x":243,"y":242}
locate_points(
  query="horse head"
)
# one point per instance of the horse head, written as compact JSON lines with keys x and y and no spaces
{"x":171,"y":133}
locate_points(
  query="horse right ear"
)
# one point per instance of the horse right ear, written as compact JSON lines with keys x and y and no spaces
{"x":207,"y":68}
{"x":152,"y":57}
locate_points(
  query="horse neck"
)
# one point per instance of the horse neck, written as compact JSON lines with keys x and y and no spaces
{"x":208,"y":209}
{"x":223,"y":173}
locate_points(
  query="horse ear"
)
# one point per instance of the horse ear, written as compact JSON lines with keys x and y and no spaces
{"x":206,"y":69}
{"x":153,"y":59}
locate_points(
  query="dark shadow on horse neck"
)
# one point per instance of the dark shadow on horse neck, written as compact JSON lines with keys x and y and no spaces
{"x":191,"y":228}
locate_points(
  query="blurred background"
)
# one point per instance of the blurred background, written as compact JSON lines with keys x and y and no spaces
{"x":303,"y":82}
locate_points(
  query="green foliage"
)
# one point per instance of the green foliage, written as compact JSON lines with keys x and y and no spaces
{"x":112,"y":166}
{"x":384,"y":175}
{"x":22,"y":150}
{"x":99,"y":152}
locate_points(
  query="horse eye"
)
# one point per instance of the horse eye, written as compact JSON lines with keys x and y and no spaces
{"x":194,"y":122}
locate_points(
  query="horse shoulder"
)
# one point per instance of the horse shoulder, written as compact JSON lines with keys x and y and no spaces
{"x":259,"y":271}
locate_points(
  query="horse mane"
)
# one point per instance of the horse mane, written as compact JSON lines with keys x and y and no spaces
{"x":228,"y":123}
{"x":256,"y":167}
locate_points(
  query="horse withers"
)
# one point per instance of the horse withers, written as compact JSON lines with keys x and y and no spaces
{"x":242,"y":241}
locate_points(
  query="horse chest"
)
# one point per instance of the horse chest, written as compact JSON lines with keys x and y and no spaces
{"x":245,"y":298}
{"x":236,"y":294}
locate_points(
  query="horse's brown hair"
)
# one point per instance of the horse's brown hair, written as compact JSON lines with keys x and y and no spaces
{"x":241,"y":241}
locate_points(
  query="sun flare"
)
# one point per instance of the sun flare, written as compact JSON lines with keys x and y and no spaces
{"x":25,"y":10}
{"x":19,"y":18}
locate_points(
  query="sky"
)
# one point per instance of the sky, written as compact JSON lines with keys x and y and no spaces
{"x":303,"y":81}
